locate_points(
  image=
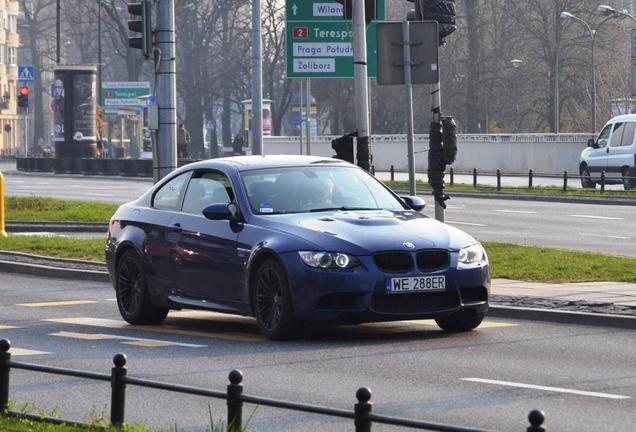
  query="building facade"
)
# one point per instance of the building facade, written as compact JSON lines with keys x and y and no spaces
{"x":9,"y":43}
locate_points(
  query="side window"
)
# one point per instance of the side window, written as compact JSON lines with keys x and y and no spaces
{"x":167,"y":198}
{"x":628,"y":134}
{"x":603,"y":136}
{"x":206,"y":188}
{"x":617,"y":135}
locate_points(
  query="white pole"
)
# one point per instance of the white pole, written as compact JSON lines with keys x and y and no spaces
{"x":361,"y":89}
{"x":408,"y":85}
{"x":308,"y":115}
{"x":257,"y":79}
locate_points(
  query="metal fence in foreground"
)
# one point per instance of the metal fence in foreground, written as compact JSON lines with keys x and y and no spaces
{"x":362,"y":414}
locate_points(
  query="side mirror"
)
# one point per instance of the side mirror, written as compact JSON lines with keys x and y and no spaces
{"x":591,"y":142}
{"x":414,"y":202}
{"x":218,"y":211}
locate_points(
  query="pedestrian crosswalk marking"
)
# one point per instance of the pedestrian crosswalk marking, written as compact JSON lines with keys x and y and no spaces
{"x":115,"y":324}
{"x":58,"y":303}
{"x":26,"y":352}
{"x":128,"y":340}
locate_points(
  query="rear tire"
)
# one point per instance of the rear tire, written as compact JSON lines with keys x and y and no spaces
{"x":586,"y":178}
{"x":271,"y":302}
{"x":131,"y":288}
{"x":461,"y":321}
{"x":628,"y":183}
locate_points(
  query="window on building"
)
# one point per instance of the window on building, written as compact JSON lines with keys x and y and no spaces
{"x":13,"y":55}
{"x":2,"y":55}
{"x":13,"y":24}
{"x":1,"y":20}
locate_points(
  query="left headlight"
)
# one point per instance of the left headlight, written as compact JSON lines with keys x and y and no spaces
{"x":471,"y":256}
{"x":327,"y":260}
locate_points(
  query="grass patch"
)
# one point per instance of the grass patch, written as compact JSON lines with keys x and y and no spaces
{"x":28,"y":209}
{"x":55,"y":246}
{"x":555,"y":265}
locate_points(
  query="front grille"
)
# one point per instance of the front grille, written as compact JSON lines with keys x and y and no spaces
{"x":394,"y":262}
{"x":429,"y":260}
{"x":415,"y":303}
{"x":473,"y":294}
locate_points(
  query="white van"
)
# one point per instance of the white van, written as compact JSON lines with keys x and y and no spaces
{"x":614,"y":151}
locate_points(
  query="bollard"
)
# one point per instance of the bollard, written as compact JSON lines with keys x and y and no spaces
{"x":602,"y":181}
{"x":118,"y":395}
{"x":362,"y":410}
{"x":536,"y":418}
{"x":3,"y":233}
{"x":565,"y":181}
{"x":392,"y":173}
{"x":234,"y":402}
{"x":474,"y":177}
{"x":498,"y":180}
{"x":452,"y":176}
{"x":530,"y":176}
{"x":5,"y":358}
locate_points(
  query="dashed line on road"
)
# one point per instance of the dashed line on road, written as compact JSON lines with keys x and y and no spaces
{"x":546,"y":388}
{"x":26,"y":352}
{"x":483,"y":325}
{"x":516,"y":211}
{"x":466,"y":223}
{"x":617,"y":237}
{"x":58,"y":303}
{"x":148,"y":343}
{"x":596,"y":217}
{"x":8,"y":327}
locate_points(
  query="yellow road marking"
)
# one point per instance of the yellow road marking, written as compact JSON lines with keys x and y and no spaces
{"x":483,"y":325}
{"x":26,"y":352}
{"x":58,"y":303}
{"x":7,"y":327}
{"x":107,"y":323}
{"x":149,"y":344}
{"x":129,"y":340}
{"x":83,"y":336}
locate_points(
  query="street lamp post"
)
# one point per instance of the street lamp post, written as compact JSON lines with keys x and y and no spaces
{"x":515,"y":66}
{"x":99,"y":52}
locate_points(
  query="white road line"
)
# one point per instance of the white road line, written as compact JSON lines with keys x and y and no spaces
{"x":97,"y":194}
{"x":618,"y":237}
{"x":551,"y":389}
{"x":465,"y":223}
{"x":455,"y":207}
{"x":596,"y":217}
{"x":516,"y":211}
{"x":125,"y":338}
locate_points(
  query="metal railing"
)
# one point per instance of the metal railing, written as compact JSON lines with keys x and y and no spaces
{"x":362,"y":414}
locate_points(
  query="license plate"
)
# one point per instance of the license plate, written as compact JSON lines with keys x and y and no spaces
{"x":415,"y":284}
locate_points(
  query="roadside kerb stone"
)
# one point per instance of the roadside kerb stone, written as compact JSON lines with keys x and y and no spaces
{"x":36,"y":265}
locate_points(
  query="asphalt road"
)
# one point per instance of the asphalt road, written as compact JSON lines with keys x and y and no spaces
{"x":586,"y":227}
{"x":582,"y":377}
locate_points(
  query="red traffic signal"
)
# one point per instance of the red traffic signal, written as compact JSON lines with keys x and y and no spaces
{"x":24,"y":91}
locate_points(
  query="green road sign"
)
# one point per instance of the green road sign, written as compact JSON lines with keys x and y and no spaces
{"x":319,"y":40}
{"x":124,"y":94}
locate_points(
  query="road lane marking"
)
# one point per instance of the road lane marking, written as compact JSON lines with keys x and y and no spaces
{"x":8,"y":327}
{"x":596,"y":217}
{"x":128,"y":340}
{"x":465,"y":223}
{"x":107,"y":323}
{"x":545,"y":388}
{"x":618,"y":237}
{"x":58,"y":303}
{"x":516,"y":211}
{"x":26,"y":352}
{"x":483,"y":325}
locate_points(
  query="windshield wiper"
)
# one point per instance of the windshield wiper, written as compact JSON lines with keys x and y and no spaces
{"x":343,"y":208}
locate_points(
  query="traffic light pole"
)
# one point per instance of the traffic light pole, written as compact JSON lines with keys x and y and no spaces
{"x":408,"y":84}
{"x":166,"y":90}
{"x":436,"y":108}
{"x":257,"y":79}
{"x":361,"y":89}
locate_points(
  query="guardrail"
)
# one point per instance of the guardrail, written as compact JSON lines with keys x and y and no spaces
{"x":361,"y":415}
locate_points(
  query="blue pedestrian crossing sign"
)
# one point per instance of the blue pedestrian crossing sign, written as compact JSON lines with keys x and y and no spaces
{"x":26,"y":74}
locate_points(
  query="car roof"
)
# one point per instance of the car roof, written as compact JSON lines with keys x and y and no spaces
{"x":246,"y":163}
{"x":624,"y":117}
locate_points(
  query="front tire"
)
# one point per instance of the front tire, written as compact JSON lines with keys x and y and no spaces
{"x":461,"y":321}
{"x":586,"y":178}
{"x":131,"y":288}
{"x":629,"y":182}
{"x":271,"y":302}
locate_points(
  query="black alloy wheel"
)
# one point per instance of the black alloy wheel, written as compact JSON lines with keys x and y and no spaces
{"x":272,"y":303}
{"x":586,"y":177}
{"x":132,"y":292}
{"x":461,"y":321}
{"x":629,"y":182}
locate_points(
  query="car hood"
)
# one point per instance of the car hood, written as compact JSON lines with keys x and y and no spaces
{"x":366,"y":232}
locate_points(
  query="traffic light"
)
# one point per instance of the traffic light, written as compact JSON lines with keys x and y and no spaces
{"x":442,"y":11}
{"x":343,"y":147}
{"x":370,"y":7}
{"x":23,"y":97}
{"x":141,"y":22}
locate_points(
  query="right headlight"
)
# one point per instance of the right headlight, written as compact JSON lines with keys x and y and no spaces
{"x":471,"y":256}
{"x":327,"y":260}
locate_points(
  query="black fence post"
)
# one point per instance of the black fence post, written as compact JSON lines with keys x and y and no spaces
{"x":536,"y":419}
{"x":603,"y":181}
{"x":118,"y":395}
{"x":234,"y":402}
{"x":362,"y":410}
{"x":530,"y":177}
{"x":565,"y":181}
{"x":392,"y":173}
{"x":452,"y":176}
{"x":498,"y":180}
{"x":5,"y":358}
{"x":474,"y":177}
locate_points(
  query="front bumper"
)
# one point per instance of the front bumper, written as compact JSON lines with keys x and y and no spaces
{"x":358,"y":295}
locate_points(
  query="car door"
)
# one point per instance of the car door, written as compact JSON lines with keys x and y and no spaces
{"x":620,"y":152}
{"x":596,"y":158}
{"x":209,"y":266}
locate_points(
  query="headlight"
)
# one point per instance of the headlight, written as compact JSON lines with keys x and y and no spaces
{"x":328,"y":260}
{"x":471,"y":256}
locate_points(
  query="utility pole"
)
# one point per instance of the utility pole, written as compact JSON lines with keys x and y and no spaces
{"x":166,"y":90}
{"x":257,"y":79}
{"x":308,"y":115}
{"x":99,"y":52}
{"x":361,"y":89}
{"x":57,"y":33}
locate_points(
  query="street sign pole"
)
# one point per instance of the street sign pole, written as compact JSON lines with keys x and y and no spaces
{"x":436,"y":108}
{"x":308,"y":115}
{"x":408,"y":85}
{"x":257,"y":80}
{"x":361,"y":90}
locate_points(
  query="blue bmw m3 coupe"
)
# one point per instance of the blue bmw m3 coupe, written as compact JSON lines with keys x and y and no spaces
{"x":289,"y":240}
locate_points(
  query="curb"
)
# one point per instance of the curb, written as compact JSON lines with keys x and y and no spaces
{"x":53,"y":272}
{"x":564,"y":317}
{"x":92,"y":227}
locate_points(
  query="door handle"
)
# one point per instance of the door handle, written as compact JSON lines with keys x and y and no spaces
{"x":177,"y":228}
{"x":607,"y":151}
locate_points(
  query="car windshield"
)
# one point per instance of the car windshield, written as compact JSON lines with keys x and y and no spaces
{"x":315,"y":189}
